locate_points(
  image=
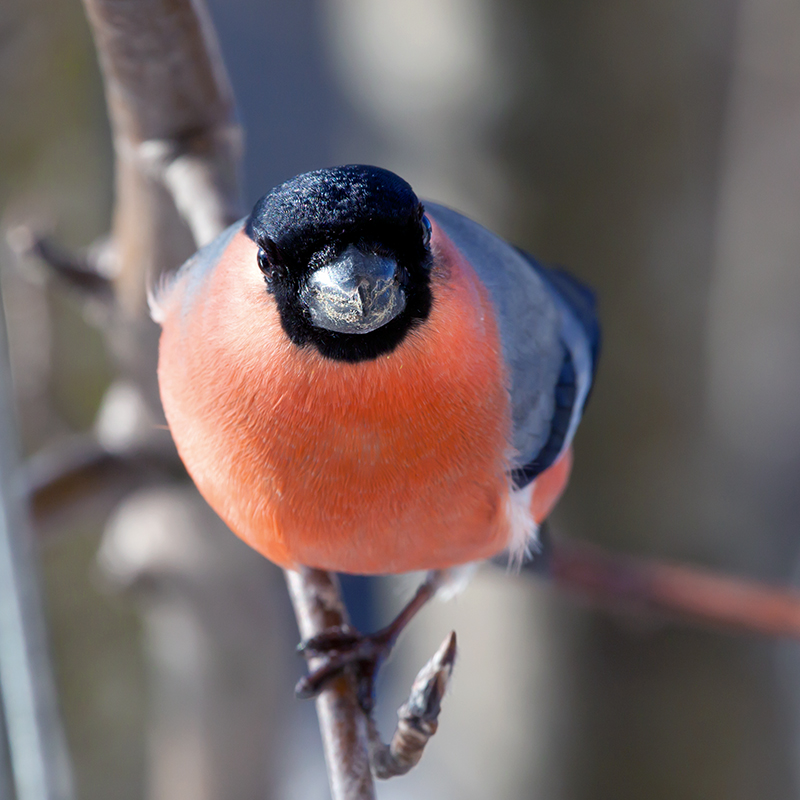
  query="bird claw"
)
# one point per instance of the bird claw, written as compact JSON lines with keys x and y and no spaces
{"x":343,"y":647}
{"x":332,"y":639}
{"x":340,"y":648}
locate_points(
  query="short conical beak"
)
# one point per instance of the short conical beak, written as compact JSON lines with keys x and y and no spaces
{"x":357,"y":293}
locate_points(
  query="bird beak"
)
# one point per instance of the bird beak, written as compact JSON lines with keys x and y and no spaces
{"x":357,"y":293}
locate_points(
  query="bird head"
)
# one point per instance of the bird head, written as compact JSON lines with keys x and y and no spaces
{"x":346,"y":253}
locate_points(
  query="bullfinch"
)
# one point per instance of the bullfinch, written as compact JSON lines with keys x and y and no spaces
{"x":360,"y":382}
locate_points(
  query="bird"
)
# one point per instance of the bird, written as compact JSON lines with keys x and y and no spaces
{"x":362,"y":382}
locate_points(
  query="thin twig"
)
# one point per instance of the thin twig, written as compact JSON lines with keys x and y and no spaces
{"x":318,"y":606}
{"x":630,"y":584}
{"x":418,"y":717}
{"x":78,"y":273}
{"x":70,"y":473}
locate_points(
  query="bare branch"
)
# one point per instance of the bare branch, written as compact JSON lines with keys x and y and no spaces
{"x":80,"y":274}
{"x":175,"y":134}
{"x":318,"y":606}
{"x":68,"y":474}
{"x":680,"y":591}
{"x":418,"y":717}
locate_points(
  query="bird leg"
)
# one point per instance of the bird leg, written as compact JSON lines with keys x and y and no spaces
{"x":343,"y":646}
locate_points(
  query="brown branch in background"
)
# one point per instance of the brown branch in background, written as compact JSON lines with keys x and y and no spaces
{"x":683,"y":592}
{"x":80,"y":274}
{"x":318,"y":606}
{"x":176,"y":137}
{"x":67,"y":475}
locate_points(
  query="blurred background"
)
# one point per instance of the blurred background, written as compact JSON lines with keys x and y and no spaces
{"x":652,"y":147}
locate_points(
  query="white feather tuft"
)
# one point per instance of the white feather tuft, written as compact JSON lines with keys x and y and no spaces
{"x":156,"y":294}
{"x":523,"y":540}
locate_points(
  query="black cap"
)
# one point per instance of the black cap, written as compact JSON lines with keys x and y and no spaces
{"x":329,"y":206}
{"x":307,"y":224}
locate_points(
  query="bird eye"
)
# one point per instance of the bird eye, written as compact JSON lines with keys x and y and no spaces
{"x":426,"y":230}
{"x":263,"y":262}
{"x":266,"y":268}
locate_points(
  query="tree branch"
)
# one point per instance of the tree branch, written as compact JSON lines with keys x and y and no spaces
{"x":318,"y":606}
{"x":80,"y":274}
{"x":679,"y":591}
{"x":171,"y":107}
{"x":418,"y":717}
{"x":68,"y":474}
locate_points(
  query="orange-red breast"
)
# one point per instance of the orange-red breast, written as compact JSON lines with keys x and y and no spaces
{"x":361,"y":383}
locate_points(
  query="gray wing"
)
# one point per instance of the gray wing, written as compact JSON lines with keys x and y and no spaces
{"x":547,"y":350}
